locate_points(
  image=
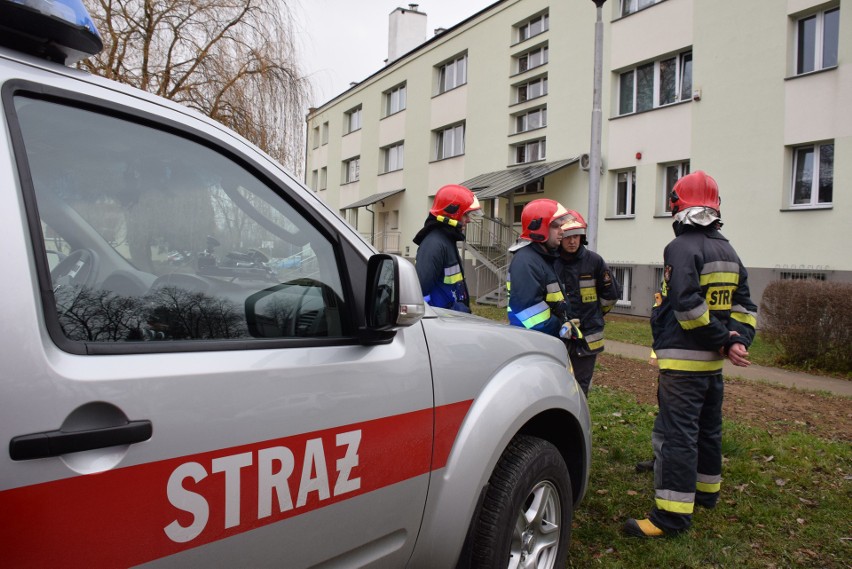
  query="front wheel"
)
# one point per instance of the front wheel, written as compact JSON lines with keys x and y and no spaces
{"x":525,"y":521}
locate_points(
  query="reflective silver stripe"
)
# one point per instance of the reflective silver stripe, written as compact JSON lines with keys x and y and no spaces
{"x":743,"y":310}
{"x":693,"y":355}
{"x":594,"y":337}
{"x":449,"y":271}
{"x":709,"y":478}
{"x":587,"y":283}
{"x":674,"y":496}
{"x":553,"y":287}
{"x":720,"y":267}
{"x":693,"y":314}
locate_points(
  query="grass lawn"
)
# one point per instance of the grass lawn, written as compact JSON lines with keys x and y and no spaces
{"x":785,"y":499}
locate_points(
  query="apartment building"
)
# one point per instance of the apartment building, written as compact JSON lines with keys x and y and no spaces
{"x":757,"y":93}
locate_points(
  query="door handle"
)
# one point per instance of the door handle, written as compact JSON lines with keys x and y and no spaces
{"x":56,"y":443}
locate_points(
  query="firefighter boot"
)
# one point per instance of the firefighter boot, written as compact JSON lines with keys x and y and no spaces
{"x":645,"y":466}
{"x":642,"y":528}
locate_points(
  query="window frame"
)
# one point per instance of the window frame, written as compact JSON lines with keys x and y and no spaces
{"x":398,"y":93}
{"x":525,"y":88}
{"x":524,"y":117}
{"x":456,"y":63}
{"x":544,"y":18}
{"x":817,"y":43}
{"x":440,"y":143}
{"x":682,"y":167}
{"x":398,"y":149}
{"x":649,"y":74}
{"x":524,"y":61}
{"x":629,"y":7}
{"x":623,"y":274}
{"x":349,"y":176}
{"x":536,"y":148}
{"x":352,"y":119}
{"x":192,"y":131}
{"x":818,"y":149}
{"x":629,"y":191}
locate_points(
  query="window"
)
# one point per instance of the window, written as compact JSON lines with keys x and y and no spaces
{"x":535,"y":187}
{"x":323,"y":178}
{"x":631,"y":6}
{"x":533,"y":27}
{"x":625,"y":193}
{"x":352,"y":119}
{"x":813,"y":175}
{"x":449,"y":142}
{"x":325,"y":132}
{"x":674,"y":172}
{"x":531,"y":89}
{"x":452,"y":74}
{"x":395,"y":100}
{"x":802,"y":275}
{"x":816,"y":41}
{"x":532,"y":59}
{"x":624,"y":276}
{"x":536,"y":118}
{"x":200,"y":249}
{"x":315,"y":137}
{"x":392,"y":157}
{"x":655,"y":84}
{"x":352,"y":170}
{"x":532,"y":151}
{"x":315,"y":180}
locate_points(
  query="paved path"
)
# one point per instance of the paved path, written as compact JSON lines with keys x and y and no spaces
{"x":753,"y":372}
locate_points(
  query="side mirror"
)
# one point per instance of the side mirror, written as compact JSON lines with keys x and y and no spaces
{"x":394,"y":298}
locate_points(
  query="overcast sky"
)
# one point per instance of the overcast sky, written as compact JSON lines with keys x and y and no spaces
{"x":341,"y":41}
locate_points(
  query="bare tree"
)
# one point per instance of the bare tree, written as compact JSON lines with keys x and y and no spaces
{"x":233,"y":60}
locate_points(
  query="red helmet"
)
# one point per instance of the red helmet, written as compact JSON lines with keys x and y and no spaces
{"x":537,"y":216}
{"x":452,"y":202}
{"x":695,"y":190}
{"x":575,"y":225}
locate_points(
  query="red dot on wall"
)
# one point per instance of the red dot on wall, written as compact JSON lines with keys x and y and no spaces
{"x":638,"y":156}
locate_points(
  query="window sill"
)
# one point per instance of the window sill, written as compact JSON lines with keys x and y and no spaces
{"x":539,"y":161}
{"x":446,"y":158}
{"x":633,"y":114}
{"x":810,"y":73}
{"x":390,"y":171}
{"x":619,"y":217}
{"x":529,"y":130}
{"x":821,"y":207}
{"x":527,"y":101}
{"x":666,"y":215}
{"x":392,"y":114}
{"x":525,"y":40}
{"x":350,"y":182}
{"x":529,"y":70}
{"x":345,"y":134}
{"x":449,"y":90}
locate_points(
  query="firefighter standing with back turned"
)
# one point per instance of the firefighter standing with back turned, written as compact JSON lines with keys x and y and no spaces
{"x":706,"y":314}
{"x":438,"y":264}
{"x":590,"y":291}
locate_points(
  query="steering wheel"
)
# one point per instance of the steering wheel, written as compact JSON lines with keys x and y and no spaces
{"x":78,"y":270}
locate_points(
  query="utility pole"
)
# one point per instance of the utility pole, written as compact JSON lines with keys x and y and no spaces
{"x":595,"y":146}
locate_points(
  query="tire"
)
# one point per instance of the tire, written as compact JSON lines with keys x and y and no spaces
{"x":525,"y":520}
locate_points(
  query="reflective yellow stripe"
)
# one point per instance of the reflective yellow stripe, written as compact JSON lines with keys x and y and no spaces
{"x":702,"y":320}
{"x":555,"y":297}
{"x":713,"y":278}
{"x":452,"y":279}
{"x":595,"y":345}
{"x":690,"y":365}
{"x":537,"y":319}
{"x":709,"y":488}
{"x":588,"y":294}
{"x":745,"y":318}
{"x":448,"y":220}
{"x":676,"y":507}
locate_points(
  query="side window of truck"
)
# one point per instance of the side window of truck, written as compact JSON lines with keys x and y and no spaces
{"x":154,"y":237}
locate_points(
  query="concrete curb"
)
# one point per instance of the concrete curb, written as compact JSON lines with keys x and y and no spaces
{"x":771,"y":375}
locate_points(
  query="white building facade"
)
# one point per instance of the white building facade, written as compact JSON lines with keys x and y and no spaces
{"x":758,"y":94}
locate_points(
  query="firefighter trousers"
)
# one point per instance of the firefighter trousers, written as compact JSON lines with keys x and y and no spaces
{"x":687,"y":441}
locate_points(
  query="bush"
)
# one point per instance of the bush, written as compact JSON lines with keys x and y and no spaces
{"x":811,"y":321}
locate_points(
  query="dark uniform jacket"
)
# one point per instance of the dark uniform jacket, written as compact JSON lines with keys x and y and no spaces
{"x":439,"y":267}
{"x":590,"y":291}
{"x":536,"y":300}
{"x":705,"y":296}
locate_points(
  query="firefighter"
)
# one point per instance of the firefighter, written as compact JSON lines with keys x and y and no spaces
{"x":536,"y":300}
{"x":591,"y":292}
{"x":439,"y":266}
{"x":705,"y":315}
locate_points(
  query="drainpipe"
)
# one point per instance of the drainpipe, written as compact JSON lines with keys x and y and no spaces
{"x":372,"y":226}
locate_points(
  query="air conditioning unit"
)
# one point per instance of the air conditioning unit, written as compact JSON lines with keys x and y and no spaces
{"x":584,"y":162}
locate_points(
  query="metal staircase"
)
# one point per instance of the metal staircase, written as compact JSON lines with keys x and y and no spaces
{"x":488,"y":240}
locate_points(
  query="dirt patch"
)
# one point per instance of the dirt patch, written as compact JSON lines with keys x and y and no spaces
{"x":777,"y":409}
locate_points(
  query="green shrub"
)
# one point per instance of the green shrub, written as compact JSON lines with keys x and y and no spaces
{"x":811,"y":321}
